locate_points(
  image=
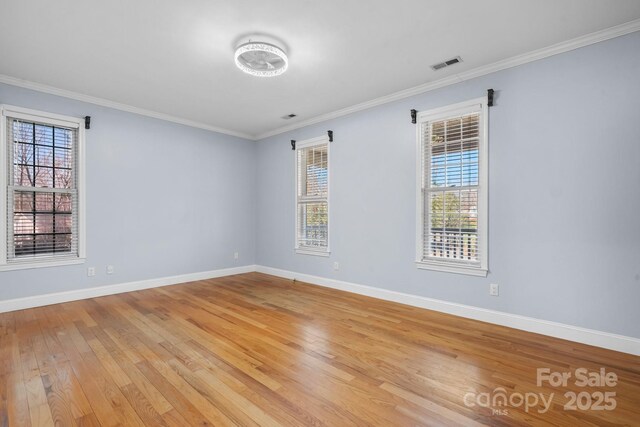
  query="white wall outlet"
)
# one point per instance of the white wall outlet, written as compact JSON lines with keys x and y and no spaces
{"x":336,"y":266}
{"x":91,"y":271}
{"x":236,"y":255}
{"x":494,"y":289}
{"x":110,"y":269}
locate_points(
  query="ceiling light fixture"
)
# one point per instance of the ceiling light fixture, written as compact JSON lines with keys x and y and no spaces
{"x":261,"y":58}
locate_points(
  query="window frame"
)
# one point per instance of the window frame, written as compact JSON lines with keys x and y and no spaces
{"x":307,"y":143}
{"x":480,"y":106}
{"x":48,"y":260}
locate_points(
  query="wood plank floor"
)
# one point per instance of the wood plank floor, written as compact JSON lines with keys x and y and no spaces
{"x":253,"y":349}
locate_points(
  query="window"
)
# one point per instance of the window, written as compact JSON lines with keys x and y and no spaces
{"x":452,"y":192}
{"x":312,"y":196}
{"x":41,"y":221}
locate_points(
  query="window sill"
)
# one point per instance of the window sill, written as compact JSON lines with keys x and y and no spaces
{"x":452,"y":268}
{"x":24,"y":265}
{"x":312,"y":252}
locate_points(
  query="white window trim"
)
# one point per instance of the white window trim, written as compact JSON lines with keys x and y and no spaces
{"x":55,"y":119}
{"x":321,"y":140}
{"x":473,"y":105}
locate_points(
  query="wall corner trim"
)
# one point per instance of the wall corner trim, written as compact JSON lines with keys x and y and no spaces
{"x":79,"y":294}
{"x":544,"y":327}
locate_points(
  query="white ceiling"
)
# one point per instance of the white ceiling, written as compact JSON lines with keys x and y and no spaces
{"x":176,"y":57}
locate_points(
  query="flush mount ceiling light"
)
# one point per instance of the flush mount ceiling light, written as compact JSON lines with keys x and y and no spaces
{"x":261,"y":58}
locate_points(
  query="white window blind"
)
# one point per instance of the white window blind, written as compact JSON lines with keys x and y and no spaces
{"x":452,"y":223}
{"x":312,"y":195}
{"x":42,"y":211}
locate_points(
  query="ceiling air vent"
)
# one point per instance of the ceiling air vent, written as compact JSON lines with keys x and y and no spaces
{"x":447,"y":63}
{"x":289,"y":116}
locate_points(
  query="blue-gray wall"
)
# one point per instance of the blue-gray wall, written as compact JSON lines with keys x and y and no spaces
{"x":162,"y":199}
{"x":165,"y":199}
{"x":564,"y":238}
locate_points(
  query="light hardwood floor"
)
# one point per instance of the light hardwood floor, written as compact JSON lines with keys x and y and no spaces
{"x":253,"y":349}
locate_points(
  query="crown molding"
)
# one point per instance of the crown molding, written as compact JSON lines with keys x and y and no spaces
{"x":576,"y":43}
{"x":39,"y":87}
{"x":582,"y":41}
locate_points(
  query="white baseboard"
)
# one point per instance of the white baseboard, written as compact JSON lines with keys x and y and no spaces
{"x":78,"y":294}
{"x":558,"y":330}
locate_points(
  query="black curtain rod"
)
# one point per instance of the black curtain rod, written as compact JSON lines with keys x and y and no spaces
{"x":329,"y":134}
{"x":490,"y":93}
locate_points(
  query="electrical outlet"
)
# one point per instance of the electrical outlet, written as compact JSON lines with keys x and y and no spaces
{"x":494,"y":289}
{"x":91,"y":271}
{"x":336,"y":266}
{"x":236,"y":255}
{"x":110,"y":269}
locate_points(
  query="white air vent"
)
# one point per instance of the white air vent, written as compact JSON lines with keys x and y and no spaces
{"x":447,"y":63}
{"x":289,"y":116}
